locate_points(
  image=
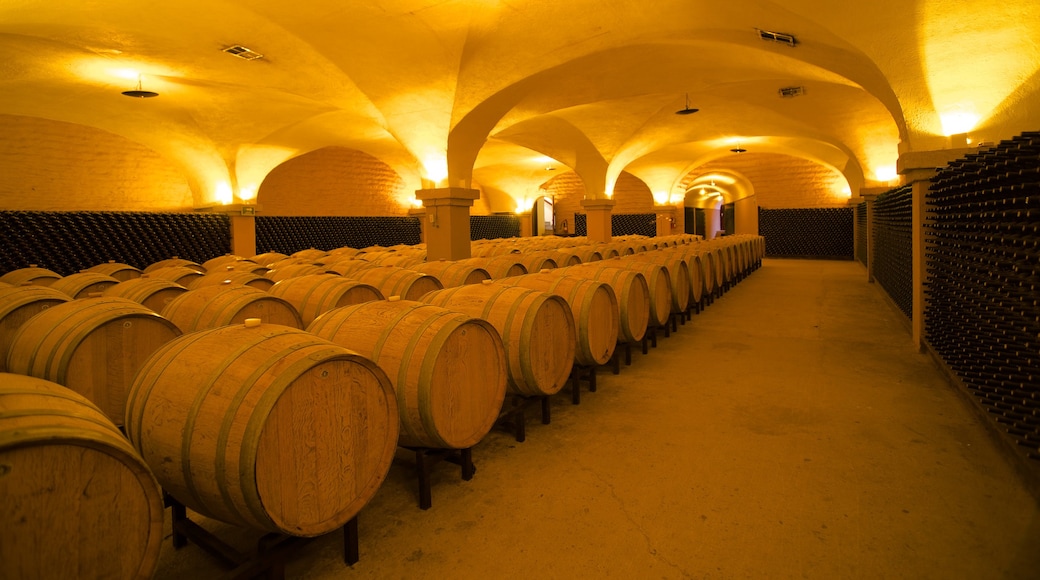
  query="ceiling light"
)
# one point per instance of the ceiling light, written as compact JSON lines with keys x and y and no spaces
{"x":139,"y":92}
{"x":686,"y":110}
{"x":781,"y":37}
{"x":738,"y":149}
{"x":242,"y":52}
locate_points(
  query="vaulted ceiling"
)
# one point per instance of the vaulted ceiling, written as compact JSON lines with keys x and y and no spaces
{"x":490,"y":92}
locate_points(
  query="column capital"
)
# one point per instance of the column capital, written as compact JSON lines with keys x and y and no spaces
{"x":598,"y":204}
{"x":455,"y":196}
{"x":922,"y":165}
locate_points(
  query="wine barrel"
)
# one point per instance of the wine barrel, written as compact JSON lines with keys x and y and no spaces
{"x":677,"y":271}
{"x":394,"y":281}
{"x":153,"y":293}
{"x":79,"y":502}
{"x":218,"y":277}
{"x":594,"y":307}
{"x":537,"y":329}
{"x":349,"y":267}
{"x":174,"y":262}
{"x":83,"y":284}
{"x":219,"y":262}
{"x":453,"y":274}
{"x":93,"y":346}
{"x":31,"y":275}
{"x":498,"y":267}
{"x":265,"y":426}
{"x":315,"y":294}
{"x":17,"y":305}
{"x":310,"y":254}
{"x":294,"y":270}
{"x":448,"y":369}
{"x":213,"y":306}
{"x":183,"y":275}
{"x":268,"y":258}
{"x":119,"y":271}
{"x":631,"y":290}
{"x":658,"y":285}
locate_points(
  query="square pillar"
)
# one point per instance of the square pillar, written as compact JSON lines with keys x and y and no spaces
{"x":526,"y":223}
{"x":243,"y":235}
{"x":446,"y":228}
{"x":665,"y":219}
{"x":597,"y":219}
{"x":242,"y":218}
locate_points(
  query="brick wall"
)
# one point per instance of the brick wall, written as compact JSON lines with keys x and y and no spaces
{"x":783,"y":181}
{"x":334,"y":181}
{"x":51,"y":165}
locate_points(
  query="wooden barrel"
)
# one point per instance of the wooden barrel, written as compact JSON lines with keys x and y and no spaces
{"x":678,"y":271}
{"x":214,"y":306}
{"x":294,"y":270}
{"x":83,"y":284}
{"x":349,"y":267}
{"x":537,"y":329}
{"x":399,"y":259}
{"x":658,"y":285}
{"x":268,"y":258}
{"x":119,"y":271}
{"x":219,"y":262}
{"x":153,"y":293}
{"x":696,"y":270}
{"x":448,"y":369}
{"x":245,"y":266}
{"x":594,"y":307}
{"x":538,"y":261}
{"x":183,"y":275}
{"x":498,"y":267}
{"x":707,"y":263}
{"x":265,"y":426}
{"x":31,"y":275}
{"x":310,"y":254}
{"x":341,"y":253}
{"x":17,"y":305}
{"x":174,"y":262}
{"x":316,"y":294}
{"x":453,"y":274}
{"x":93,"y":346}
{"x":217,"y":278}
{"x":631,"y":290}
{"x":394,"y":281}
{"x":79,"y":502}
{"x":587,"y":254}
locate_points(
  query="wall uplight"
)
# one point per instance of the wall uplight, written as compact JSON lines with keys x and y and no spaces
{"x":958,"y":121}
{"x":887,"y":173}
{"x":436,"y":169}
{"x":224,"y":193}
{"x":660,"y":197}
{"x":247,"y":193}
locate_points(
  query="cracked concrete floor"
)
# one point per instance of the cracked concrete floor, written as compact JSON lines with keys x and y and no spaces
{"x":789,"y":430}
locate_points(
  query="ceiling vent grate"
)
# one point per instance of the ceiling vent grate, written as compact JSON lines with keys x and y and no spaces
{"x":791,"y":92}
{"x":243,"y":52}
{"x":780,"y":37}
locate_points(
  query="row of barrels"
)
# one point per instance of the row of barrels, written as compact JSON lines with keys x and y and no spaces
{"x":237,"y":419}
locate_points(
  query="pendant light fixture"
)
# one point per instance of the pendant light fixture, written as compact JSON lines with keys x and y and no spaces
{"x":686,"y":110}
{"x":738,"y":149}
{"x":140,"y":93}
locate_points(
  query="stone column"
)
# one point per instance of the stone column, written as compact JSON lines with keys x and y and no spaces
{"x":917,"y":169}
{"x":526,"y":229}
{"x":665,"y":219}
{"x":242,"y":218}
{"x":597,"y":219}
{"x":446,"y":229}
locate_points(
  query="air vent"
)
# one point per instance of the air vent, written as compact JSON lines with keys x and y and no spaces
{"x":243,"y":52}
{"x":791,"y":92}
{"x":780,"y":37}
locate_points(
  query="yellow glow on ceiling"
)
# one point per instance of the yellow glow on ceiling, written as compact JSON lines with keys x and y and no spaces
{"x":886,"y":173}
{"x":974,"y":58}
{"x":435,"y":168}
{"x":224,"y":194}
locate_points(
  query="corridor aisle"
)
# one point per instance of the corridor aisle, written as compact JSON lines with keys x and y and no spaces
{"x":788,"y":431}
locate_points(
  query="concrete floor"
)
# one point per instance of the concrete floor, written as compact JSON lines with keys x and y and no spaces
{"x":789,"y":431}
